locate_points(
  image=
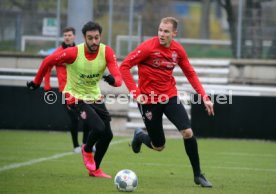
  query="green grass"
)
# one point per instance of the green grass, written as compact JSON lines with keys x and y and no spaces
{"x":7,"y":46}
{"x":194,"y":51}
{"x":233,"y":166}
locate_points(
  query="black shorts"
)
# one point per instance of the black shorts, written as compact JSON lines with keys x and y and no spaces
{"x":152,"y":116}
{"x":97,"y":108}
{"x":93,"y":115}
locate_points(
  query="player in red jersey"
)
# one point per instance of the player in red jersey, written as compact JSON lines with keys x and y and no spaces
{"x":156,"y":92}
{"x":69,"y":35}
{"x":85,"y":65}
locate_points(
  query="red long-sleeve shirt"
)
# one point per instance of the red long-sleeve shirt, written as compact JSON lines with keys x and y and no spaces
{"x":69,"y":55}
{"x":61,"y":75}
{"x":155,"y":70}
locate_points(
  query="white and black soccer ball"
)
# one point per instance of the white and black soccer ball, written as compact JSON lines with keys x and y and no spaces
{"x":126,"y":180}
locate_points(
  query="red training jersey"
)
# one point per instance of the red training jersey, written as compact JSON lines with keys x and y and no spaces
{"x":61,"y":75}
{"x":68,"y":56}
{"x":155,"y":70}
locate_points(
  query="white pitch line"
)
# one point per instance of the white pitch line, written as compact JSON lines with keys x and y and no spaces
{"x":31,"y":162}
{"x":245,"y":168}
{"x":56,"y":156}
{"x":247,"y":154}
{"x":214,"y":167}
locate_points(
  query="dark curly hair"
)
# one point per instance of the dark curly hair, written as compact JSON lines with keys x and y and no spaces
{"x":91,"y":26}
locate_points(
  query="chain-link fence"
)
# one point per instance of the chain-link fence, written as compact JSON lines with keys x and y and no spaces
{"x":259,"y":29}
{"x":20,"y":20}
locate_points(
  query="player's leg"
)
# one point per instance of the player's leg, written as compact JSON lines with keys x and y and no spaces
{"x":85,"y":130}
{"x":73,"y":128}
{"x":104,"y":140}
{"x":176,"y":113}
{"x":155,"y":137}
{"x":93,"y":122}
{"x":96,"y":127}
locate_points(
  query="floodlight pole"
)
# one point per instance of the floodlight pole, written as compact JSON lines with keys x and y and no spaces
{"x":239,"y":29}
{"x":58,"y":23}
{"x":140,"y":35}
{"x":80,"y":13}
{"x":110,"y":21}
{"x":130,"y":25}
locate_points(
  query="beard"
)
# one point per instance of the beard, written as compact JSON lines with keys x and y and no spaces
{"x":93,"y":48}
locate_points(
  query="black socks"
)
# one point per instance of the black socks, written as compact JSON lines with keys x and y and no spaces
{"x":192,"y":152}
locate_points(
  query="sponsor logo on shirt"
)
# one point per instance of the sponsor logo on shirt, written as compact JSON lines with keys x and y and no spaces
{"x":168,"y":64}
{"x":156,"y":62}
{"x":89,"y":75}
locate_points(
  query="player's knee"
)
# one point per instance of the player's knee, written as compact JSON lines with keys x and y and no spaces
{"x":109,"y":136}
{"x":100,"y":128}
{"x":158,"y":148}
{"x":108,"y":132}
{"x":187,"y":133}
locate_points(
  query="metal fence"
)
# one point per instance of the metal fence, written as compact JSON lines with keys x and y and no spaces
{"x":21,"y":19}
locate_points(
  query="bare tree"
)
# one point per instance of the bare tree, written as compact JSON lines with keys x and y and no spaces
{"x":253,"y":27}
{"x":152,"y":18}
{"x":227,"y":5}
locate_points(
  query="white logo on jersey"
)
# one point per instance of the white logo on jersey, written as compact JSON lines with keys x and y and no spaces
{"x":174,"y":56}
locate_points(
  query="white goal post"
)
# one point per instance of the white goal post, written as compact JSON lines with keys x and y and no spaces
{"x":26,"y":38}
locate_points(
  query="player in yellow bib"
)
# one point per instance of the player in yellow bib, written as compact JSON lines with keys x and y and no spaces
{"x":86,"y":64}
{"x":84,"y":75}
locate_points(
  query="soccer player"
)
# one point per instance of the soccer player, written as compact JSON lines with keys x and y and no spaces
{"x":69,"y":35}
{"x":156,"y":92}
{"x":86,"y":64}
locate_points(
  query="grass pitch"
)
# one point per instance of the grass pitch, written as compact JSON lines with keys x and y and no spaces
{"x":42,"y":162}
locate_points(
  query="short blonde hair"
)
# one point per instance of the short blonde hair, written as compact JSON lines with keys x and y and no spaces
{"x":171,"y":20}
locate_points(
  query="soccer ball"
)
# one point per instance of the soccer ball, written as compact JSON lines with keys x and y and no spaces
{"x":126,"y":180}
